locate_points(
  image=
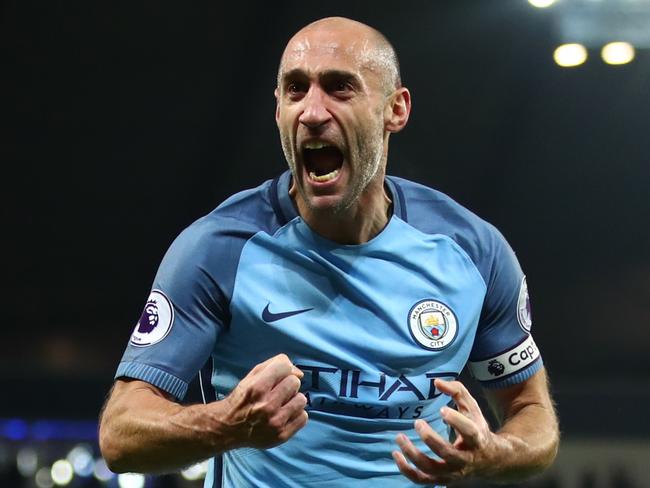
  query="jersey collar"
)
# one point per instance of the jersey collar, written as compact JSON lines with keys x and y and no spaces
{"x":286,"y":211}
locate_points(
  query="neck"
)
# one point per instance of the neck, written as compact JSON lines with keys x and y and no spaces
{"x":355,"y":225}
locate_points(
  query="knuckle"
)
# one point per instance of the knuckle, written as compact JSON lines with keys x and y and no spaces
{"x":301,"y":400}
{"x":255,"y":391}
{"x":427,"y":436}
{"x":445,"y":452}
{"x":284,"y":435}
{"x":260,"y":412}
{"x":294,"y":383}
{"x":282,"y":357}
{"x":275,"y":424}
{"x":459,"y":387}
{"x":302,"y":419}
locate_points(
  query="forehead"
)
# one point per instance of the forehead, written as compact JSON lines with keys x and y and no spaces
{"x":320,"y":50}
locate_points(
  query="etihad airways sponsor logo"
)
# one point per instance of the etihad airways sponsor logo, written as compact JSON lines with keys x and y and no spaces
{"x":354,"y":392}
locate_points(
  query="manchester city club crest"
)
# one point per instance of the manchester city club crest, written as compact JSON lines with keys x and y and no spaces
{"x":155,"y":322}
{"x":432,"y":324}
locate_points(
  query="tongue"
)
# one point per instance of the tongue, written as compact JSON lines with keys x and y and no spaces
{"x":323,"y":161}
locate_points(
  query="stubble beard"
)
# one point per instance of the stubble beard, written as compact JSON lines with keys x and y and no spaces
{"x":368,"y":154}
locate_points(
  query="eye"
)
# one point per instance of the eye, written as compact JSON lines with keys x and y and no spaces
{"x":342,"y":87}
{"x":295,"y":89}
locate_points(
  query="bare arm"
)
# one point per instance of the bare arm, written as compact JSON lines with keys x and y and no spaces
{"x":143,"y":430}
{"x":525,"y":444}
{"x":529,"y":429}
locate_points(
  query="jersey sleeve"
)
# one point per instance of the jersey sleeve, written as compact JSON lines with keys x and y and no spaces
{"x":181,"y":319}
{"x":504,"y":352}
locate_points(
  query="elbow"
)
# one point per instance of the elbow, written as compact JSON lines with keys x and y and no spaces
{"x":553,"y":448}
{"x":553,"y":444}
{"x":547,"y":453}
{"x":111,"y":449}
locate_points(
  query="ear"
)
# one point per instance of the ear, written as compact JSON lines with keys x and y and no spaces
{"x":397,"y":111}
{"x":277,"y":105}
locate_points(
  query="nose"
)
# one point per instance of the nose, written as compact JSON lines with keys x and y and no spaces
{"x":315,"y":113}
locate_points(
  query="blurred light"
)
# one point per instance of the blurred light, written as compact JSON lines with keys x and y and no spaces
{"x":568,"y":55}
{"x":196,"y":472}
{"x":541,"y":3}
{"x":82,"y":460}
{"x":44,"y":478}
{"x":62,"y":472}
{"x":14,"y":429}
{"x":130,"y":480}
{"x":45,"y":430}
{"x":617,"y":53}
{"x":101,"y":471}
{"x":27,"y":461}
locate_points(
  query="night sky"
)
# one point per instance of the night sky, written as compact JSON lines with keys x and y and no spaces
{"x":124,"y":122}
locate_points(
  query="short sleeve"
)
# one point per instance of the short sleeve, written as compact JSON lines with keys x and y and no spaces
{"x":504,"y":352}
{"x":182,"y":316}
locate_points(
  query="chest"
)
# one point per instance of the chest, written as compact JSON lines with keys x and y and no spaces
{"x":371,"y":324}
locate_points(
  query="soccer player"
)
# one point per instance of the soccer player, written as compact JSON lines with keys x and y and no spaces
{"x":338,"y":305}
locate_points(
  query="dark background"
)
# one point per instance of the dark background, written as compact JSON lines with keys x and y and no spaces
{"x":125,"y":121}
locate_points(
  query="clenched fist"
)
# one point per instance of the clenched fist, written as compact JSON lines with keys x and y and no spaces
{"x":266,"y":408}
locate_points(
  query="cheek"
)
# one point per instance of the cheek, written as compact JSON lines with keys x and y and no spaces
{"x":286,"y":123}
{"x":285,"y":130}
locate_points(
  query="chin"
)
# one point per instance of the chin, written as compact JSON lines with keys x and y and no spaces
{"x":331,"y":204}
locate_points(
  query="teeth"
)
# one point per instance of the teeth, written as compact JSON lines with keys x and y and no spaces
{"x":316,"y":145}
{"x":327,"y":177}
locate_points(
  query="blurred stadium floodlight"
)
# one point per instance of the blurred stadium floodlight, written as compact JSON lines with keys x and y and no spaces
{"x":101,"y":471}
{"x":130,"y":480}
{"x":81,"y":459}
{"x":617,"y":53}
{"x":541,"y":3}
{"x":617,"y":28}
{"x":27,"y":461}
{"x":569,"y":55}
{"x":43,"y":478}
{"x":62,"y":472}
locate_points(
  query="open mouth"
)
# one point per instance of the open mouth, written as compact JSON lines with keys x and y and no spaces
{"x":323,"y":161}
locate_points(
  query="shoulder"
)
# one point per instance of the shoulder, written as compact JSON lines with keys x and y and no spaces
{"x":239,"y":216}
{"x":433,"y":212}
{"x":222,"y":233}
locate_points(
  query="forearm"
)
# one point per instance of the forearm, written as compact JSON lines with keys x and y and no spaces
{"x":528,"y":439}
{"x":141,"y":431}
{"x":525,"y":445}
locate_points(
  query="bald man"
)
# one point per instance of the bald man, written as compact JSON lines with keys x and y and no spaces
{"x":338,"y":306}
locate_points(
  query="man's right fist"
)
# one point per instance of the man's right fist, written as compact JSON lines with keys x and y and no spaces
{"x":266,"y":408}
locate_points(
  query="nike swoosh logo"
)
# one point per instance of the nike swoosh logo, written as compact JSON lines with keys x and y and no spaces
{"x":268,"y":316}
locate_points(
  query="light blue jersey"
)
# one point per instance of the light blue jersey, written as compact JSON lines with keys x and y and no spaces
{"x":371,"y":325}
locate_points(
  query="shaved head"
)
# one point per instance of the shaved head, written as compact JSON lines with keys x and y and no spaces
{"x":338,"y":100}
{"x":376,"y":53}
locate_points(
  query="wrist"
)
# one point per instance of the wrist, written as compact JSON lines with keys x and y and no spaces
{"x":496,"y":458}
{"x":224,"y":431}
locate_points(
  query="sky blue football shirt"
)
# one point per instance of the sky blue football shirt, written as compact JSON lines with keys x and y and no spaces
{"x":371,"y":325}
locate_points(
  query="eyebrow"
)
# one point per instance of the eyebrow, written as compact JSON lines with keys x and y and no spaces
{"x":324,"y":75}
